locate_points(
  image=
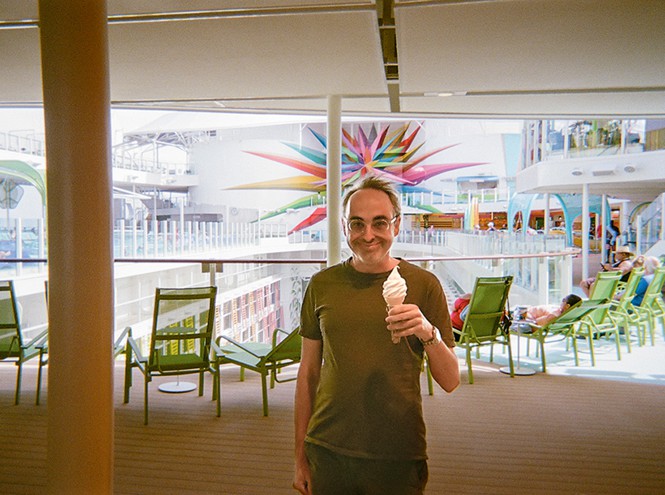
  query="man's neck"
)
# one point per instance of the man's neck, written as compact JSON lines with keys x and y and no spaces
{"x":384,"y":266}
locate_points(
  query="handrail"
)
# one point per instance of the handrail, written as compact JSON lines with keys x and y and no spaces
{"x":310,"y":261}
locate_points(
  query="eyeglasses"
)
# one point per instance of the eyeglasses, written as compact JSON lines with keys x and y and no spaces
{"x":380,"y":225}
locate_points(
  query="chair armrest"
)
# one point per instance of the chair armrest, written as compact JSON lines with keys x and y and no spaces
{"x":237,"y":344}
{"x":39,"y":341}
{"x":120,"y":345}
{"x":275,"y":335}
{"x":131,"y":343}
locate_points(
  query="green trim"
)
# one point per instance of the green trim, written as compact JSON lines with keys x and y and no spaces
{"x":24,"y":171}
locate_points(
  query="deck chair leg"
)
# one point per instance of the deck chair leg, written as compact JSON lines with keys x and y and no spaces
{"x":264,"y":392}
{"x":39,"y":379}
{"x":430,"y":384}
{"x":577,"y":359}
{"x":128,"y":380}
{"x":591,"y":349}
{"x":627,"y":332}
{"x":542,"y":355}
{"x":618,"y":342}
{"x":17,"y":397}
{"x":145,"y":400}
{"x":468,"y":365}
{"x":217,"y":390}
{"x":201,"y":382}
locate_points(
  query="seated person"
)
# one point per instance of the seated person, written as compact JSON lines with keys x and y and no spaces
{"x":460,"y":309}
{"x":623,"y":264}
{"x":650,"y":263}
{"x":542,"y":315}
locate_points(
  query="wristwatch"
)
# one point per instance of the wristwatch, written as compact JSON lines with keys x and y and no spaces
{"x":434,"y":339}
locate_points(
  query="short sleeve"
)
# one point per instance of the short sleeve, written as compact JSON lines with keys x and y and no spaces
{"x":309,"y":320}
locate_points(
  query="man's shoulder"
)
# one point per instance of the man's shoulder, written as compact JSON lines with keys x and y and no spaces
{"x":407,"y":267}
{"x":329,"y":272}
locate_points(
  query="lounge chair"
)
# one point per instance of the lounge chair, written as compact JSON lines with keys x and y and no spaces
{"x":261,"y":358}
{"x":14,"y":345}
{"x":483,"y":324}
{"x":180,"y":342}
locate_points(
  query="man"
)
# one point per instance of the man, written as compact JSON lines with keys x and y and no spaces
{"x":359,"y":427}
{"x":544,"y":314}
{"x":622,"y":264}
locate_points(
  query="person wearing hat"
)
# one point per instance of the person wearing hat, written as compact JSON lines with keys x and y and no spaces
{"x":622,"y":263}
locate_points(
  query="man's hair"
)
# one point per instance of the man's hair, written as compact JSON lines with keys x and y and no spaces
{"x":651,"y":263}
{"x":572,"y":299}
{"x":378,"y":184}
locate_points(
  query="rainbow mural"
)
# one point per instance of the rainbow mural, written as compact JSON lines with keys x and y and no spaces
{"x":391,"y":155}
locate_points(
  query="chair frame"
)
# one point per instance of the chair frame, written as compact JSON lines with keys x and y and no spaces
{"x":263,"y":359}
{"x":624,"y":312}
{"x":150,"y":365}
{"x":473,"y":334}
{"x":605,"y":285}
{"x":564,"y":326}
{"x":19,"y":351}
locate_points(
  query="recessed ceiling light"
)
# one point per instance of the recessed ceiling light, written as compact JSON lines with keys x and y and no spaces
{"x":445,"y":93}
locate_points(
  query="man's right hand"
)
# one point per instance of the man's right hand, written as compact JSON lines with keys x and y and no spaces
{"x":302,"y":478}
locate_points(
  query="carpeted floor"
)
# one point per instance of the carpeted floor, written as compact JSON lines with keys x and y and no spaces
{"x":542,"y":434}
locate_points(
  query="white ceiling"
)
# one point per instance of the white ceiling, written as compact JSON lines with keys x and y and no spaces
{"x":502,"y":58}
{"x":499,"y":58}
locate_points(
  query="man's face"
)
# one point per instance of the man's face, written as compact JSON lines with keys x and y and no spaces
{"x":371,"y":247}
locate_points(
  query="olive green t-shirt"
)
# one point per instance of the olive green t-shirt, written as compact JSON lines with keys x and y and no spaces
{"x":368,"y":403}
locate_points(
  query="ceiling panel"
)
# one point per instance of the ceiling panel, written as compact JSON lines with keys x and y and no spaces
{"x":266,"y":56}
{"x":534,"y":45}
{"x":509,"y":58}
{"x":582,"y":105}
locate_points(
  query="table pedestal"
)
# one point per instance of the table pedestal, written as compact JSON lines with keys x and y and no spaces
{"x":518,"y":370}
{"x":177,"y":387}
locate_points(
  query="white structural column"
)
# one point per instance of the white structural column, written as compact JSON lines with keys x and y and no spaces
{"x":604,"y":256}
{"x":334,"y":179}
{"x":75,"y":73}
{"x":662,"y":219}
{"x":586,"y":224}
{"x":546,"y":219}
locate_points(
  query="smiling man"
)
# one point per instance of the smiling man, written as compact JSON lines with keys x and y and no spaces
{"x":359,"y":427}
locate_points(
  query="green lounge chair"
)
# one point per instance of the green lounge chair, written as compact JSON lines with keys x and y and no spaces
{"x":605,"y":285}
{"x":598,"y":323}
{"x":119,"y":347}
{"x":180,"y":341}
{"x":261,"y":358}
{"x":564,"y":326}
{"x":623,"y":311}
{"x":483,"y":324}
{"x":14,"y":346}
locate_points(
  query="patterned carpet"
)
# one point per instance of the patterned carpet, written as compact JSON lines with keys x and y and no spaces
{"x":554,"y":433}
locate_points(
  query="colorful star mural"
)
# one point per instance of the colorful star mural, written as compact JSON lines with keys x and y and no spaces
{"x":377,"y":152}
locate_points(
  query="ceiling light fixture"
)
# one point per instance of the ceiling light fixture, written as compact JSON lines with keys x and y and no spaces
{"x":630,"y":168}
{"x":576,"y":172}
{"x":444,"y":93}
{"x":602,"y":171}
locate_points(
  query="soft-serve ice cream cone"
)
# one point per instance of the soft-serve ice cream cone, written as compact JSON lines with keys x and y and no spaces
{"x":394,"y":292}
